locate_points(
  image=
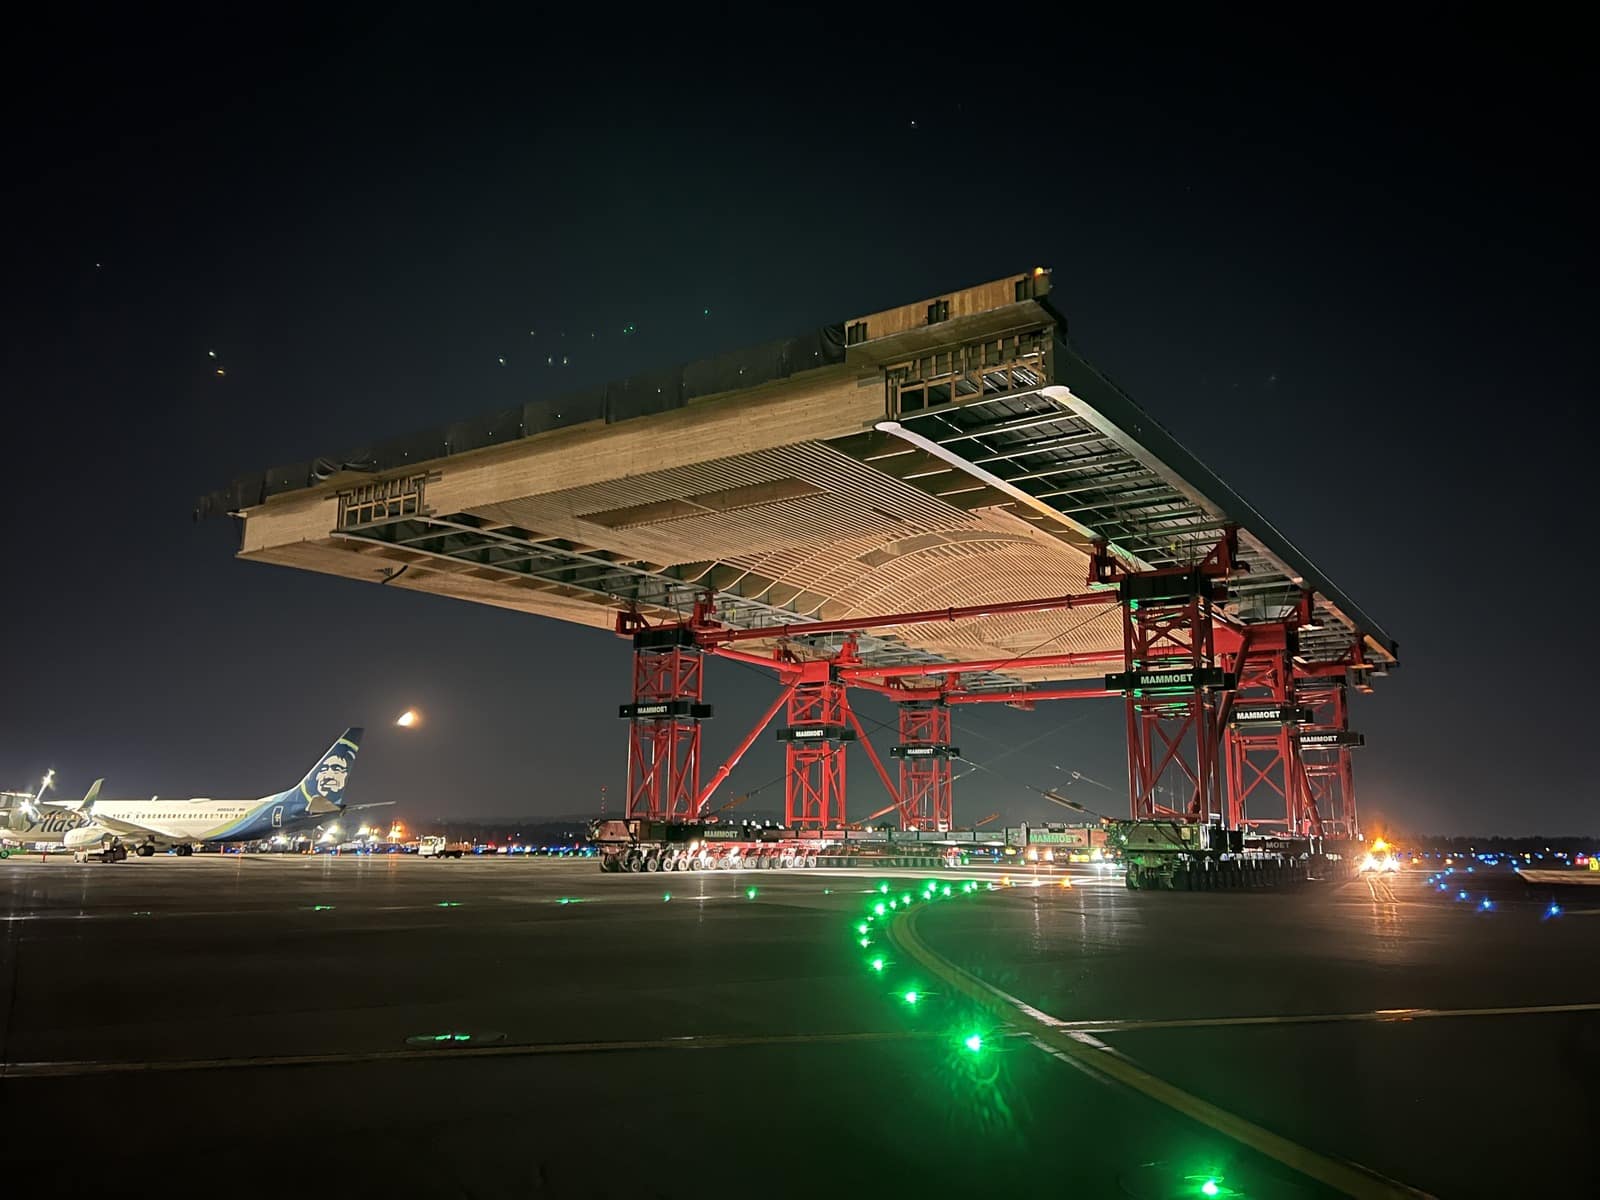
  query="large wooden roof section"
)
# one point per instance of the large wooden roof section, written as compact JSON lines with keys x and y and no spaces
{"x":950,"y":453}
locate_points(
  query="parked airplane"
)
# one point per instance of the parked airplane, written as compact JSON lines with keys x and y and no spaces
{"x":30,"y":819}
{"x":157,"y":824}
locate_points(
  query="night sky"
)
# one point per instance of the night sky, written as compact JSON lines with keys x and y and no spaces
{"x":1345,"y":267}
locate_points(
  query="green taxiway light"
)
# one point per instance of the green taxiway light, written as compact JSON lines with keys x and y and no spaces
{"x":946,"y":889}
{"x":449,"y":904}
{"x":861,"y":928}
{"x":894,"y":904}
{"x":877,"y":964}
{"x":884,"y":888}
{"x":750,"y":893}
{"x":974,"y":1043}
{"x":911,"y":997}
{"x":665,"y":896}
{"x":865,"y":942}
{"x":879,"y":909}
{"x":1209,"y":1188}
{"x":321,"y":907}
{"x":906,"y":899}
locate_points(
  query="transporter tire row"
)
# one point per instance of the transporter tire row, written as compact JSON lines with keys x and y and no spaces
{"x":1217,"y":875}
{"x":682,"y":860}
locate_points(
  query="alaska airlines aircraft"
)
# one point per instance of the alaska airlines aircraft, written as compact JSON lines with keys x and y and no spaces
{"x":156,"y":824}
{"x":33,"y":819}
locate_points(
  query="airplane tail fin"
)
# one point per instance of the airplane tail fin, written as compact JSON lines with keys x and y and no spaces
{"x":324,"y":785}
{"x":85,"y":805}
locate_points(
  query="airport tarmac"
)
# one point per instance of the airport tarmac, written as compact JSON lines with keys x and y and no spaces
{"x":292,"y":1025}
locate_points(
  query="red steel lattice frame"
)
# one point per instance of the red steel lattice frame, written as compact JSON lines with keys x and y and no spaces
{"x":664,"y":752}
{"x":925,"y":782}
{"x":1179,"y":744}
{"x":1263,"y":762}
{"x":1172,"y":736}
{"x":814,"y":782}
{"x":1329,"y":773}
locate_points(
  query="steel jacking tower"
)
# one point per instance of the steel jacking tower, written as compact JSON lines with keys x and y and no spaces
{"x":819,"y":728}
{"x":1325,"y":741}
{"x":664,"y":724}
{"x":925,"y":753}
{"x":1170,"y":683}
{"x":1262,"y":717}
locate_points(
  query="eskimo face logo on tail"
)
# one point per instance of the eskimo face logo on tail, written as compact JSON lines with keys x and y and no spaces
{"x":331,"y":773}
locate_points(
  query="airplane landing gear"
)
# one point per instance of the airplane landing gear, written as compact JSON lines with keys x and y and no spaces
{"x":185,"y":851}
{"x":146,"y":850}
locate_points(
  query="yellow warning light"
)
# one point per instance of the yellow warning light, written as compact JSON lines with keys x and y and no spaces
{"x":1378,"y":844}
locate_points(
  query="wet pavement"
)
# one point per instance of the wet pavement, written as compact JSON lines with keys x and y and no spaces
{"x":386,"y":1025}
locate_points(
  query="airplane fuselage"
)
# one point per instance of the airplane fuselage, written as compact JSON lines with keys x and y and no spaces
{"x":183,"y":823}
{"x":164,"y":822}
{"x":202,"y":820}
{"x":47,"y":825}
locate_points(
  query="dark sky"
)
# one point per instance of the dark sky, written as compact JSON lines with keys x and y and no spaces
{"x":1346,"y":267}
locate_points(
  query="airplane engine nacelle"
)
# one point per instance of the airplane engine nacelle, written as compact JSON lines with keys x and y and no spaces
{"x":84,"y":835}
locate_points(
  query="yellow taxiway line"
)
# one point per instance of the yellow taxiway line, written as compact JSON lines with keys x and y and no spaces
{"x":1082,"y":1049}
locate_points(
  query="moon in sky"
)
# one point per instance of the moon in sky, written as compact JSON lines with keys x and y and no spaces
{"x":408,"y":718}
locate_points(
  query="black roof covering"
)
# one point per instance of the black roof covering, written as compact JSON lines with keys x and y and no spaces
{"x":636,"y":396}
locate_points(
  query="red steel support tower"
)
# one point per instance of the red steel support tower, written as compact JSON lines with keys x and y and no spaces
{"x":1169,"y":682}
{"x":664,"y":724}
{"x":1325,"y":745}
{"x":1261,"y":748}
{"x":925,"y":752}
{"x":819,"y":726}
